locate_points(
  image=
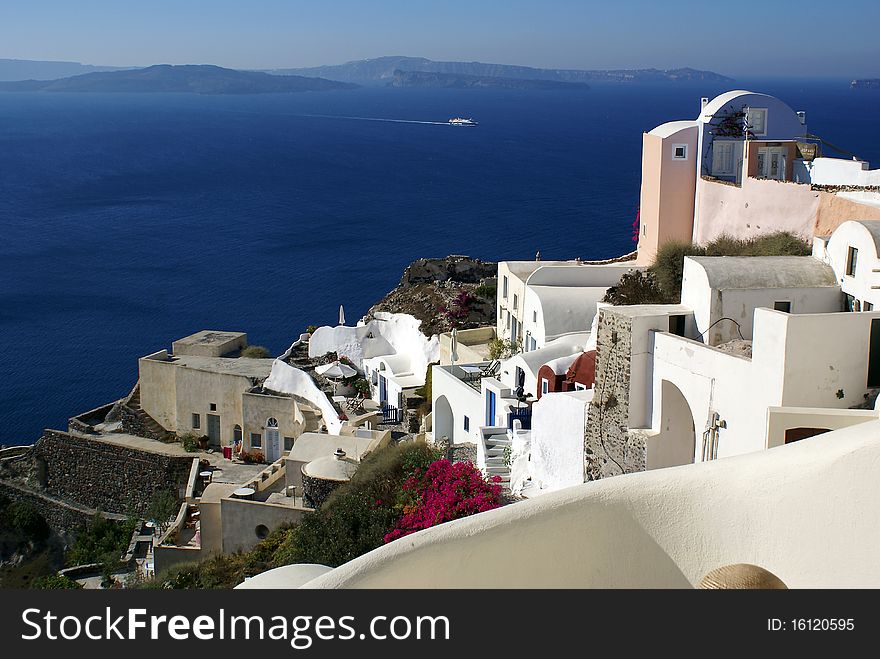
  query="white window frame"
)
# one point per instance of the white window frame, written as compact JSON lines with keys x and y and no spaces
{"x":579,"y":386}
{"x":763,"y":113}
{"x":676,"y":147}
{"x":729,"y":168}
{"x":545,"y":386}
{"x":504,"y":287}
{"x":852,"y":261}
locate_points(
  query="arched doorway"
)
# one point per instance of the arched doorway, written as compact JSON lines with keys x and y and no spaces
{"x":443,"y":420}
{"x":676,"y":442}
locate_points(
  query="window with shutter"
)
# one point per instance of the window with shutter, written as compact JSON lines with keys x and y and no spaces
{"x":723,"y":158}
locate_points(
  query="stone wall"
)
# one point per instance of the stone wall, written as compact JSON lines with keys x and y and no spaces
{"x":96,"y":474}
{"x":64,"y":517}
{"x":610,"y":448}
{"x":316,"y":490}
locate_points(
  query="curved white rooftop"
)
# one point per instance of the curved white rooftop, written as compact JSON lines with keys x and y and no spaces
{"x":564,"y":346}
{"x":560,"y":365}
{"x":721,"y":100}
{"x":670,"y":128}
{"x":805,"y":511}
{"x":566,"y":309}
{"x":331,"y":468}
{"x":746,"y":272}
{"x":871,"y":226}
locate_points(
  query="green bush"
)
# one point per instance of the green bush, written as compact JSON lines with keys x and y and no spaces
{"x":190,"y":441}
{"x":311,"y":329}
{"x":361,"y":386}
{"x":487,"y":292}
{"x":636,"y":287}
{"x":256,"y":352}
{"x":668,"y":266}
{"x":101,"y":541}
{"x":504,"y":348}
{"x":669,"y":262}
{"x":164,"y":505}
{"x":425,"y":390}
{"x":23,"y":520}
{"x":55,"y":582}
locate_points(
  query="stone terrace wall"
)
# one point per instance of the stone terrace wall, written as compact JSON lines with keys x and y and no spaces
{"x":62,"y":516}
{"x":96,"y":474}
{"x":610,"y":448}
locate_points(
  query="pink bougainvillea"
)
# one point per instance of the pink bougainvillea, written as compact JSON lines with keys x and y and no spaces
{"x":445,"y":491}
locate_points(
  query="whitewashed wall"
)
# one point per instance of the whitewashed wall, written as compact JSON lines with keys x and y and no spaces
{"x":858,"y":235}
{"x":558,"y":422}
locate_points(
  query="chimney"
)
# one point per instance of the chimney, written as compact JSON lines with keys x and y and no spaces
{"x":704,"y":101}
{"x":802,"y":116}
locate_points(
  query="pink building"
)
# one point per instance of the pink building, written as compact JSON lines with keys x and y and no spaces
{"x":745,"y":166}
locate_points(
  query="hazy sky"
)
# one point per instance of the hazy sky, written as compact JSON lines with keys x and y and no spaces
{"x":737,"y":37}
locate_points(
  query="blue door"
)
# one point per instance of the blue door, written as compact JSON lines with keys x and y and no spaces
{"x":490,"y":408}
{"x":383,"y":390}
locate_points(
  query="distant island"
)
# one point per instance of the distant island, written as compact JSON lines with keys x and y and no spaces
{"x":196,"y":79}
{"x":382,"y":70}
{"x":24,"y":69}
{"x":865,"y":83}
{"x":424,"y":79}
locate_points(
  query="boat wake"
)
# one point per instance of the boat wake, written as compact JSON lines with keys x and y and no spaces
{"x":393,"y":121}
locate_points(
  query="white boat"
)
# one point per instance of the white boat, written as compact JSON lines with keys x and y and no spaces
{"x":461,"y":121}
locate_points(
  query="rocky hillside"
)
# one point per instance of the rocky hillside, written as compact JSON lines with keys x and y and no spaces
{"x":456,"y":291}
{"x":432,"y":80}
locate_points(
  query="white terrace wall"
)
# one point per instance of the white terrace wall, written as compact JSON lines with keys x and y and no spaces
{"x":451,"y":401}
{"x":837,"y":171}
{"x":826,"y":357}
{"x":813,"y":360}
{"x":558,"y":423}
{"x":710,"y":381}
{"x":158,"y":388}
{"x":661,"y":529}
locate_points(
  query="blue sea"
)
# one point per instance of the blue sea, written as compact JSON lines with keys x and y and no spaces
{"x":129,"y":220}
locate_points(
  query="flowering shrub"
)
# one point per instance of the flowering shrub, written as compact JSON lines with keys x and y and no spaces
{"x":253,"y":457}
{"x":445,"y":491}
{"x":459,"y":309}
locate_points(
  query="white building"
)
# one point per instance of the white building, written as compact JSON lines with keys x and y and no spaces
{"x":539,"y":301}
{"x":723,"y":292}
{"x":746,"y":166}
{"x":525,"y":365}
{"x":852,"y":252}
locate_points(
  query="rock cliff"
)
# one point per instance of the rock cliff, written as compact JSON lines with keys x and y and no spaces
{"x":454,"y":291}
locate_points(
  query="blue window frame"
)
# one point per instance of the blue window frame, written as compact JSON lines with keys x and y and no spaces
{"x":490,"y":408}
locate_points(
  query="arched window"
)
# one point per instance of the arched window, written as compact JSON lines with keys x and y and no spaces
{"x":272,"y":422}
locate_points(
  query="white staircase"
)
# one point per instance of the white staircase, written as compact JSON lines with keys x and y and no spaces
{"x":495,"y":445}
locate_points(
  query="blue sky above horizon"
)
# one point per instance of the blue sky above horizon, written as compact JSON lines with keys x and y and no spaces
{"x":747,"y":38}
